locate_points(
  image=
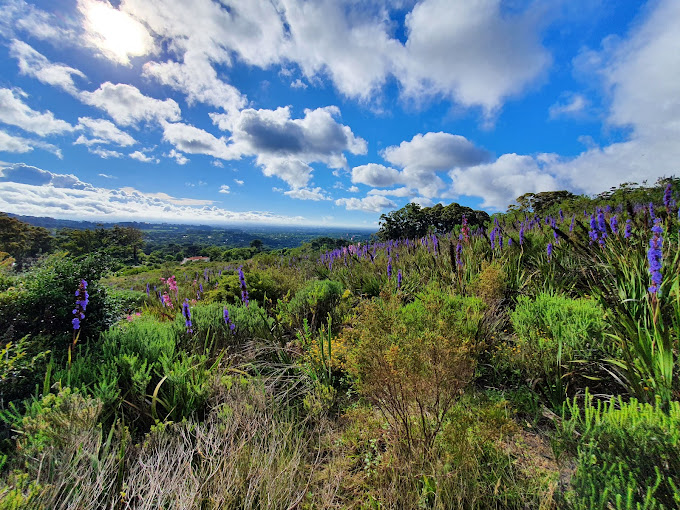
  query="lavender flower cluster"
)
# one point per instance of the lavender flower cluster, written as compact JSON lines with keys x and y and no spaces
{"x":82,"y":299}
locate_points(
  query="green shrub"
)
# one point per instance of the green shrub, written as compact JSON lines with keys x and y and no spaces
{"x":314,"y":302}
{"x":413,"y":361}
{"x":627,"y":454}
{"x":557,"y":336}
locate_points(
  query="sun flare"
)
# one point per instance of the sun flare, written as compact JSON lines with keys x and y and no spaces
{"x":116,"y":34}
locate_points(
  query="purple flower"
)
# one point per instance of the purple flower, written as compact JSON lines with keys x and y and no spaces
{"x":459,"y":252}
{"x":614,"y":224}
{"x":628,"y":229}
{"x":186,"y":312}
{"x":244,"y":289}
{"x":81,"y":304}
{"x":399,"y":277}
{"x":550,"y":250}
{"x":571,"y":226}
{"x":654,"y":257}
{"x":521,"y":234}
{"x":668,"y":197}
{"x":147,"y":289}
{"x":389,"y":268}
{"x":228,"y":322}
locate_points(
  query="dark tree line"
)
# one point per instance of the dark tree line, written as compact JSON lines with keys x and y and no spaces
{"x":412,"y":221}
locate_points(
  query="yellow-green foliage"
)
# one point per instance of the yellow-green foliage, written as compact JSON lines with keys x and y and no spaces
{"x":414,"y":360}
{"x":628,"y":454}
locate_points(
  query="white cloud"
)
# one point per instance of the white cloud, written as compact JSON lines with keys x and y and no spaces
{"x":104,"y":131}
{"x":21,"y":173}
{"x":374,"y":174}
{"x":20,"y":145}
{"x":105,"y":153}
{"x":114,"y":33}
{"x":224,"y":189}
{"x":475,"y":53}
{"x":371,"y":203}
{"x":198,"y":80}
{"x":140,"y":156}
{"x":188,"y":138}
{"x":353,"y":189}
{"x":574,"y":105}
{"x":34,"y":64}
{"x":127,"y":106}
{"x":471,"y":52}
{"x":314,"y":194}
{"x":32,"y":191}
{"x":298,"y":84}
{"x":422,"y":201}
{"x":397,"y":192}
{"x":179,"y":158}
{"x":107,"y":176}
{"x":239,"y":182}
{"x":641,"y":74}
{"x":426,"y":155}
{"x":286,"y":147}
{"x":500,"y":182}
{"x":15,"y":112}
{"x":18,"y":15}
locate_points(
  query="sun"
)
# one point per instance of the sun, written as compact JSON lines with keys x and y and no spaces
{"x":115,"y":33}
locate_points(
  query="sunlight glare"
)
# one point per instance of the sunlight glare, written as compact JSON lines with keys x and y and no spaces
{"x":116,"y":34}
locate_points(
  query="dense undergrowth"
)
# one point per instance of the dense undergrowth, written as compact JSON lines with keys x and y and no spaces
{"x":532,"y":363}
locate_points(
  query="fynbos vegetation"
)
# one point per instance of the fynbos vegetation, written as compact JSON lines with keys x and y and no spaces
{"x":523,"y":360}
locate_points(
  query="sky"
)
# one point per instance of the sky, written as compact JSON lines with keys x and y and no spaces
{"x":328,"y":112}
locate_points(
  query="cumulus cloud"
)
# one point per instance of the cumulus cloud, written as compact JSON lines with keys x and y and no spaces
{"x":15,"y":112}
{"x":285,"y":147}
{"x":20,"y":145}
{"x":314,"y":194}
{"x":193,"y":140}
{"x":500,"y":182}
{"x":422,"y":159}
{"x":224,"y":189}
{"x":238,"y":182}
{"x":371,"y":203}
{"x":472,"y":52}
{"x":34,"y":64}
{"x":140,"y":156}
{"x":21,"y":173}
{"x":179,"y":158}
{"x":32,"y":191}
{"x":374,"y":174}
{"x":640,"y":73}
{"x":127,"y":106}
{"x":198,"y":80}
{"x":104,"y":132}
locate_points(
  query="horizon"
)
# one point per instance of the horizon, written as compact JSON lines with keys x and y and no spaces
{"x":328,"y":114}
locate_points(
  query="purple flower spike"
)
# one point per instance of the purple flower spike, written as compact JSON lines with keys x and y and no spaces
{"x":82,"y":299}
{"x":654,"y":255}
{"x":550,"y":250}
{"x":668,"y":197}
{"x":186,"y":312}
{"x":628,"y":230}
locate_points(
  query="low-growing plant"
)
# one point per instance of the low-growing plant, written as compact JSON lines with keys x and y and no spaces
{"x":413,"y":361}
{"x":627,"y":454}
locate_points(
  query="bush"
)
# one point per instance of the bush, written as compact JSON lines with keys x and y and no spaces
{"x":414,"y":360}
{"x":42,"y":303}
{"x":627,"y":454}
{"x":558,"y":338}
{"x":313,"y":303}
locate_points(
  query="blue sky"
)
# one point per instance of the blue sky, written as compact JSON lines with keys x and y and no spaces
{"x":326,"y":111}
